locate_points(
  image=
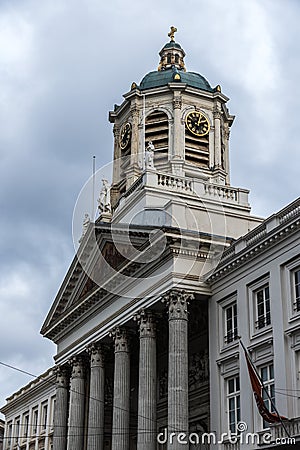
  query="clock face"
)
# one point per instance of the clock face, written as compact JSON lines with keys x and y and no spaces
{"x":197,"y":123}
{"x":125,"y":135}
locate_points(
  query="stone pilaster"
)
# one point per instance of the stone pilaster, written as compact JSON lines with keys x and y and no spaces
{"x":135,"y":134}
{"x":121,"y":401}
{"x":146,"y":438}
{"x":61,"y":409}
{"x":114,"y":191}
{"x":96,"y":398}
{"x":178,"y":408}
{"x":77,"y":402}
{"x":217,"y":126}
{"x":178,"y":149}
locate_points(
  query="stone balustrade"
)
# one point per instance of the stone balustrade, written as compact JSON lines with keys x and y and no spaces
{"x":175,"y":182}
{"x":293,"y":428}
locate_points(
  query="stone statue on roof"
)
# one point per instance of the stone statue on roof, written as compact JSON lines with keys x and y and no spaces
{"x":85,"y":225}
{"x":104,"y":204}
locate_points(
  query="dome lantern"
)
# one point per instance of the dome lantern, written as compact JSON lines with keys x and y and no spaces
{"x":172,"y":55}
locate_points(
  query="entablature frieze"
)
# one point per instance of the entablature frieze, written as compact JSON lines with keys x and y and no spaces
{"x":265,"y":240}
{"x":100,"y":297}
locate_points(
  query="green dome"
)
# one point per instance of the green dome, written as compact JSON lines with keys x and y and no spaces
{"x":163,"y":77}
{"x":172,"y":44}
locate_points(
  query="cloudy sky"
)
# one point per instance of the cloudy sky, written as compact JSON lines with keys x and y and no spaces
{"x":63,"y":65}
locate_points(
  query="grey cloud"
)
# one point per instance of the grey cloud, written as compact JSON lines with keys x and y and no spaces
{"x":63,"y":66}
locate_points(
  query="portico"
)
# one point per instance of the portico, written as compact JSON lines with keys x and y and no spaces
{"x":82,"y":379}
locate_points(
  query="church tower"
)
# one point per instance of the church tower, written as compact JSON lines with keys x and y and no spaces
{"x":171,"y":144}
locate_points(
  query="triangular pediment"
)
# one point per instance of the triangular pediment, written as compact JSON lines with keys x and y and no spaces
{"x":99,"y":257}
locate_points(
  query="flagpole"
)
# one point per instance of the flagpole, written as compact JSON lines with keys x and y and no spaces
{"x":93,"y":189}
{"x":264,"y":388}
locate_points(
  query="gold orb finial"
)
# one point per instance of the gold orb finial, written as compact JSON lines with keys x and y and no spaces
{"x":172,"y":32}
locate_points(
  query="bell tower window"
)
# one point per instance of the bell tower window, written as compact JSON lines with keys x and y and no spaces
{"x":157,"y":131}
{"x":197,"y":129}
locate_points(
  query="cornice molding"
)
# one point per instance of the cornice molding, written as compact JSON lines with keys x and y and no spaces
{"x":265,"y":242}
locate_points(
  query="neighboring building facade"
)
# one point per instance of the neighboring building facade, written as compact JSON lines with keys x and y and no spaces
{"x":256,"y":295}
{"x":29,"y":415}
{"x":2,"y":428}
{"x":147,"y":319}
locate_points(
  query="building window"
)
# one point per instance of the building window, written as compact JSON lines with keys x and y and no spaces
{"x":297,"y":290}
{"x":53,"y":412}
{"x":35,"y":415}
{"x":267,"y":376}
{"x":9,"y":434}
{"x":17,"y":430}
{"x":263,"y":313}
{"x":233,"y":403}
{"x":44,"y":416}
{"x":26,"y":425}
{"x":230,"y":323}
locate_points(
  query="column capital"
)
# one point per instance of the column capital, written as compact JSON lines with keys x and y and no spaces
{"x":96,"y":353}
{"x":77,"y":363}
{"x":134,"y":112}
{"x":227,"y":133}
{"x":177,"y":101}
{"x":147,"y":324}
{"x":62,"y":376}
{"x":116,"y":131}
{"x":121,"y":339}
{"x":177,"y":301}
{"x":217,"y":114}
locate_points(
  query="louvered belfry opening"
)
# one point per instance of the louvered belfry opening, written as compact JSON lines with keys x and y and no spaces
{"x":157,"y":131}
{"x":196,"y":149}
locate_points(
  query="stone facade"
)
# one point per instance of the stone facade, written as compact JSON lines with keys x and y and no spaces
{"x":259,"y":274}
{"x":29,"y":415}
{"x":147,"y":320}
{"x":2,"y":428}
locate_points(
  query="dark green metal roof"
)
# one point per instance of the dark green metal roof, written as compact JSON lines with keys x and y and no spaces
{"x":172,"y":44}
{"x":163,"y":77}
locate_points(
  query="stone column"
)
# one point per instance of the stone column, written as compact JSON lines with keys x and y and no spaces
{"x":114,"y":191}
{"x":178,"y":148}
{"x":121,"y":401}
{"x":146,"y":439}
{"x":135,"y":133}
{"x":134,"y":171}
{"x":61,"y":409}
{"x":96,"y":399}
{"x":178,"y":408}
{"x":217,"y":125}
{"x":77,"y":402}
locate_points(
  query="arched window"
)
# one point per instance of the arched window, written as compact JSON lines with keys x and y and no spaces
{"x":169,"y":58}
{"x":176,"y":58}
{"x":157,"y":131}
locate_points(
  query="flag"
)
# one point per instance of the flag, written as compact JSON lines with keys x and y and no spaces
{"x":257,"y":387}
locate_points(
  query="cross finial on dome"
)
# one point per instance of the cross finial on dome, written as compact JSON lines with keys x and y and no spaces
{"x":172,"y":54}
{"x":172,"y":32}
